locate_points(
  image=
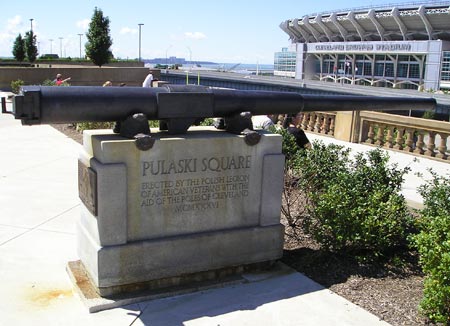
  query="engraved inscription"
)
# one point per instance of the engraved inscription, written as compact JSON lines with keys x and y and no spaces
{"x":226,"y":178}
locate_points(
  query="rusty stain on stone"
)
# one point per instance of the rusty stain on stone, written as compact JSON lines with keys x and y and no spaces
{"x":46,"y":297}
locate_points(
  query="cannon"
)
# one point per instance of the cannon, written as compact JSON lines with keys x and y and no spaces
{"x":180,"y":106}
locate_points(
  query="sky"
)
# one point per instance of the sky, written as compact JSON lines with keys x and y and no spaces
{"x":245,"y":31}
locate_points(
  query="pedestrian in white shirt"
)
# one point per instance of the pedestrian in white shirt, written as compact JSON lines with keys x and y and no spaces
{"x":148,"y":80}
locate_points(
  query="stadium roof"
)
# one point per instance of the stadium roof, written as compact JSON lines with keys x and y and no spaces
{"x":402,"y":22}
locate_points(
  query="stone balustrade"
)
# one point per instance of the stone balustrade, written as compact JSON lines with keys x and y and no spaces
{"x":407,"y":134}
{"x":318,"y":122}
{"x":413,"y":135}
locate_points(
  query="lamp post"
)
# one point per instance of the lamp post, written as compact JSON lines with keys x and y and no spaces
{"x":80,"y":35}
{"x":140,"y":25}
{"x":60,"y":46}
{"x":31,"y":24}
{"x":190,"y":56}
{"x":51,"y":43}
{"x":167,"y":50}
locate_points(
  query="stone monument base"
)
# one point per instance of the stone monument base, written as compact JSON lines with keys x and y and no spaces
{"x":156,"y":289}
{"x":194,"y":209}
{"x":160,"y":263}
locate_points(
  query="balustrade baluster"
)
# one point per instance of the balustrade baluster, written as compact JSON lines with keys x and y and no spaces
{"x":312,"y":121}
{"x":409,"y":145}
{"x":331,"y":129}
{"x":419,"y":144}
{"x":317,"y":126}
{"x":390,"y":137}
{"x":399,"y":140}
{"x":380,"y":135}
{"x":431,"y":145}
{"x":370,"y":134}
{"x":442,"y":149}
{"x":325,"y":124}
{"x":305,"y":120}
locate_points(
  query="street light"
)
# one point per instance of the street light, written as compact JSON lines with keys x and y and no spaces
{"x":60,"y":46}
{"x":140,"y":25}
{"x":167,"y":50}
{"x":80,"y":35}
{"x":31,"y":24}
{"x":51,"y":43}
{"x":190,"y":55}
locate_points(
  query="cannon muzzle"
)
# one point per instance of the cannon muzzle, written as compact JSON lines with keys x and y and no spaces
{"x":181,"y":106}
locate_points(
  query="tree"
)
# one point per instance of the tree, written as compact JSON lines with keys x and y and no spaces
{"x":99,"y":40}
{"x":19,"y":48}
{"x":30,"y":46}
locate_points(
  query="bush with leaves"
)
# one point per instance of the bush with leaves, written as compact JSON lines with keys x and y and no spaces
{"x":16,"y":85}
{"x":81,"y":126}
{"x":352,"y":205}
{"x":433,"y":244}
{"x":292,"y":208}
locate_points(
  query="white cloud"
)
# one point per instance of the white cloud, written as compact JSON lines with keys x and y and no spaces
{"x":127,"y":30}
{"x":14,"y":23}
{"x":83,"y":24}
{"x":11,"y":31}
{"x":195,"y":35}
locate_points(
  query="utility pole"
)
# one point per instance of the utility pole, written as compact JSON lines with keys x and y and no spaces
{"x":140,"y":25}
{"x":80,"y":35}
{"x":60,"y":46}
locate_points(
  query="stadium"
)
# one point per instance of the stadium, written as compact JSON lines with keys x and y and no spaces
{"x":399,"y":46}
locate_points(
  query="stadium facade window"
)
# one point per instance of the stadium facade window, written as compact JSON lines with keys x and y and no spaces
{"x":414,"y":71}
{"x":402,"y":70}
{"x":445,"y":72}
{"x":285,"y":61}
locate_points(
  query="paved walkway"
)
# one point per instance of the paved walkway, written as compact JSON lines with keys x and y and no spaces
{"x":38,"y":208}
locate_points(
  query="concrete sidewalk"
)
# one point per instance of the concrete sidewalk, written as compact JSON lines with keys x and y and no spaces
{"x":38,"y":208}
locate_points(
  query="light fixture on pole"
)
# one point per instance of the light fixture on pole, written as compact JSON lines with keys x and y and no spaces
{"x":60,"y":46}
{"x":140,"y":25}
{"x":80,"y":35}
{"x":167,"y":50}
{"x":31,"y":24}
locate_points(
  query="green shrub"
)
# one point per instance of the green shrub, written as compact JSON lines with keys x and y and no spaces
{"x":428,"y":115}
{"x":16,"y":85}
{"x":94,"y":125}
{"x":354,"y":205}
{"x":48,"y":82}
{"x":207,"y":122}
{"x":153,"y":123}
{"x":289,"y":146}
{"x":433,"y":244}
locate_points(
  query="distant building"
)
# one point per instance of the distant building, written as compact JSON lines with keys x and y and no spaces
{"x":402,"y":46}
{"x":285,"y":62}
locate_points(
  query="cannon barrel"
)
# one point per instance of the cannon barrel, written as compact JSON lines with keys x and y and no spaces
{"x":49,"y":104}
